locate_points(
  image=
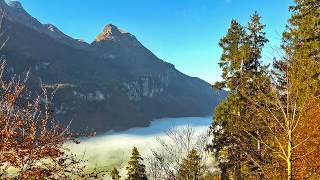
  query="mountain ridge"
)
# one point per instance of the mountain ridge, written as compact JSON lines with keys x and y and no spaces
{"x":15,"y":12}
{"x":113,"y":83}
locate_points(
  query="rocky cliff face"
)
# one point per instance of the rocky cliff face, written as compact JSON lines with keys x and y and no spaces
{"x":114,"y":83}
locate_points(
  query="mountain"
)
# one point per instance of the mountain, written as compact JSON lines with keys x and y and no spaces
{"x":114,"y":83}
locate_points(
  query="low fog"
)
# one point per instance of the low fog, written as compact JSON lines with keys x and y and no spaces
{"x":113,"y":149}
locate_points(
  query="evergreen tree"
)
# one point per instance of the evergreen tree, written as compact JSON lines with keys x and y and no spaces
{"x":256,"y":40}
{"x":232,"y":58}
{"x":232,"y":61}
{"x":135,"y":169}
{"x":242,"y":72}
{"x":270,"y":122}
{"x":301,"y":42}
{"x":115,"y":174}
{"x":190,"y":168}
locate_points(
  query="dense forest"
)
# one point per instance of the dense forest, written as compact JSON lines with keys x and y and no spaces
{"x":267,"y":128}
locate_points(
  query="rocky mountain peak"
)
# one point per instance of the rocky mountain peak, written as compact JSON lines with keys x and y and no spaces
{"x":113,"y":33}
{"x":110,"y":28}
{"x":17,"y":14}
{"x":15,"y":4}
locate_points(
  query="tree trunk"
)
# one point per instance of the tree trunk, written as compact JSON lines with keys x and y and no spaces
{"x":224,"y":172}
{"x":289,"y":158}
{"x":238,"y":163}
{"x":238,"y":170}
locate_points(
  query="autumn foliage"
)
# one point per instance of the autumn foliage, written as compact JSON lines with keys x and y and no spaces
{"x":31,"y":140}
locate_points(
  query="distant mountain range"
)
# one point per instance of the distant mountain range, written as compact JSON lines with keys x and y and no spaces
{"x":114,"y":83}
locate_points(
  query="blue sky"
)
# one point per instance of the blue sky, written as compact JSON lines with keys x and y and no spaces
{"x":183,"y":32}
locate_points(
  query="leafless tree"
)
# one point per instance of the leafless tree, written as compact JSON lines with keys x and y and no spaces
{"x":166,"y":160}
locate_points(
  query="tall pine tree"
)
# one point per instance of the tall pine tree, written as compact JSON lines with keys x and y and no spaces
{"x":302,"y":42}
{"x":136,"y":169}
{"x":242,"y":70}
{"x":232,"y":61}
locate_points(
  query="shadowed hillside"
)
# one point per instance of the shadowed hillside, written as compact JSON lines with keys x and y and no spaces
{"x":113,"y":83}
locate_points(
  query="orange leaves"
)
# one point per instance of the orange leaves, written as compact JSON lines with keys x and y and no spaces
{"x":9,"y":98}
{"x":33,"y":173}
{"x":307,"y":149}
{"x":30,"y":138}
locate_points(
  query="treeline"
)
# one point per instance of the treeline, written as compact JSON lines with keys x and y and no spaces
{"x":269,"y":126}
